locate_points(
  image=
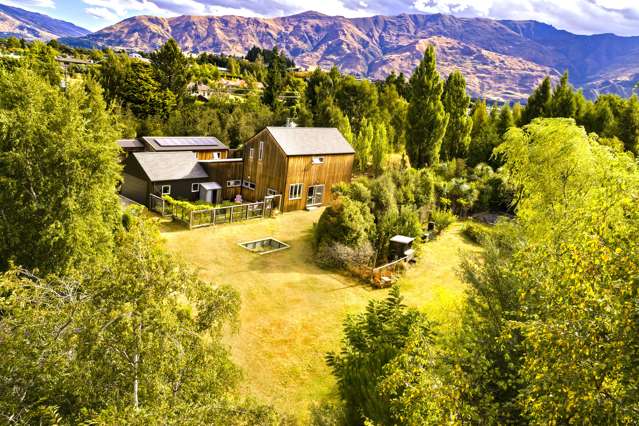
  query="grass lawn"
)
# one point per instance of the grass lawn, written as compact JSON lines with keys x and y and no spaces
{"x":292,"y":310}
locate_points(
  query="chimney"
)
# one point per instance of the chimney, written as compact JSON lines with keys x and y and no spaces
{"x":290,"y":122}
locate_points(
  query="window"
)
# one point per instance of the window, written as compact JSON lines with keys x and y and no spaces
{"x":270,"y":192}
{"x":251,"y":151}
{"x":318,"y":160}
{"x":248,"y":184}
{"x":233,"y":183}
{"x":217,"y":155}
{"x":195,"y":187}
{"x":261,"y":151}
{"x":295,"y":191}
{"x":166,"y":189}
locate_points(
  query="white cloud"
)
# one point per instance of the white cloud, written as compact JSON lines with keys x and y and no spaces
{"x":31,"y":3}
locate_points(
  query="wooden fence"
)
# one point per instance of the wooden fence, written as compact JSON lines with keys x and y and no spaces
{"x":217,"y":215}
{"x":382,"y":276}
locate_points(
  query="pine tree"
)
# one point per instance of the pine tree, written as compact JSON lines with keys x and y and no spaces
{"x":539,"y":103}
{"x":426,"y":118}
{"x":456,"y":100}
{"x":171,"y":68}
{"x":275,"y":79}
{"x":563,"y":99}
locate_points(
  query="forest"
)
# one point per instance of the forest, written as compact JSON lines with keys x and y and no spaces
{"x":100,"y":325}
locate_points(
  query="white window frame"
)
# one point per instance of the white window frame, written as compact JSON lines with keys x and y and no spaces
{"x":233,"y":183}
{"x":270,"y":192}
{"x":319,"y":159}
{"x":248,"y":185}
{"x":299,"y":189}
{"x":260,"y":153}
{"x":251,"y":153}
{"x":217,"y":155}
{"x":196,"y":186}
{"x":168,"y":192}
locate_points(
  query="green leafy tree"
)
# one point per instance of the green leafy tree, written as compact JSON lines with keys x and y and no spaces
{"x":58,"y":172}
{"x":373,"y":340}
{"x":456,"y":101}
{"x":345,"y":221}
{"x":137,"y":336}
{"x":426,"y":117}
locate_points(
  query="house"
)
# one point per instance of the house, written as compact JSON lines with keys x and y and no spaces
{"x":176,"y":173}
{"x":301,"y":163}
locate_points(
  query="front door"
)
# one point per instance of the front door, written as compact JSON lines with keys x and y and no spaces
{"x":315,"y":195}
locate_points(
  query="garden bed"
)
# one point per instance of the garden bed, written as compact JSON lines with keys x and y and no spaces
{"x":264,"y":245}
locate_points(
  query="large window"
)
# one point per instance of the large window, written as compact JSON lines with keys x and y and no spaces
{"x":295,"y":191}
{"x":195,"y":187}
{"x":233,"y":183}
{"x":260,"y":153}
{"x":166,"y":189}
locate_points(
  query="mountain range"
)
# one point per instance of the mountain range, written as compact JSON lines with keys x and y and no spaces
{"x":500,"y":59}
{"x":20,"y":23}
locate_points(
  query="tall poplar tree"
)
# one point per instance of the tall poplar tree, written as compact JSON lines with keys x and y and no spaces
{"x":362,"y":144}
{"x":380,"y":148}
{"x":456,"y":101}
{"x":426,"y":118}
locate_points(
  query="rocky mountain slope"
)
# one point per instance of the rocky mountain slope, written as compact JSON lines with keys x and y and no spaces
{"x":500,"y":59}
{"x":31,"y":26}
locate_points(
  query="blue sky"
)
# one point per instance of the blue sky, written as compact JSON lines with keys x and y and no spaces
{"x":579,"y":16}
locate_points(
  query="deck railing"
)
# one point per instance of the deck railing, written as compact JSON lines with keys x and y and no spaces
{"x":217,"y":215}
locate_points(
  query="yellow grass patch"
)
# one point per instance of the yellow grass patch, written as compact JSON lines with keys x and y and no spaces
{"x":292,"y":310}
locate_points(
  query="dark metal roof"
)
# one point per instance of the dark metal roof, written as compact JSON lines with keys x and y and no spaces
{"x":311,"y":140}
{"x":130,"y":144}
{"x":161,"y":166}
{"x":184,"y":143}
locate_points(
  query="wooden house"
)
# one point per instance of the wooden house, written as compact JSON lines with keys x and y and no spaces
{"x":302,"y":163}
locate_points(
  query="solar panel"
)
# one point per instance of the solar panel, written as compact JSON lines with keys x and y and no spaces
{"x":186,"y":141}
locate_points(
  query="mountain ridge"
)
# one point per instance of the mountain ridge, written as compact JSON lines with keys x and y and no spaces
{"x":22,"y":23}
{"x":501,"y":59}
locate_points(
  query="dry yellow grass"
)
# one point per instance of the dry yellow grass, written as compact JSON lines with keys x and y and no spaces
{"x":292,"y":310}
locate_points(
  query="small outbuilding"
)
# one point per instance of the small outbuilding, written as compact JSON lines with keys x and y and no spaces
{"x":402,"y":246}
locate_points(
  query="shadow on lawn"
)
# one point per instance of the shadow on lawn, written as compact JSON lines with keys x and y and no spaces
{"x":298,"y":259}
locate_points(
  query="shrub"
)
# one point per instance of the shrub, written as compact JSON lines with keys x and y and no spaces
{"x":442,"y":219}
{"x":474,"y":232}
{"x":335,"y":255}
{"x":345,"y":221}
